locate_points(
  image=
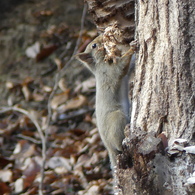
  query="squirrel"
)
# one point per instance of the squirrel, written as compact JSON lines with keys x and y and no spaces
{"x":112,"y":102}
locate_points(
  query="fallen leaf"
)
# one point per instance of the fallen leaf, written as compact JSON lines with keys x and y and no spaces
{"x":4,"y":189}
{"x":33,"y":50}
{"x":4,"y":162}
{"x":31,"y":169}
{"x":19,"y":185}
{"x":59,"y":99}
{"x":92,"y":190}
{"x":94,"y":139}
{"x":43,"y":13}
{"x":9,"y":85}
{"x":23,"y":150}
{"x":47,"y":89}
{"x":74,"y":103}
{"x":82,"y":160}
{"x":37,"y":97}
{"x":6,"y":175}
{"x":26,"y":92}
{"x":58,"y":63}
{"x":86,"y":86}
{"x":46,"y":13}
{"x":62,"y":84}
{"x":27,"y":81}
{"x":45,"y":52}
{"x":25,"y":88}
{"x":60,"y":170}
{"x":59,"y":161}
{"x":58,"y":191}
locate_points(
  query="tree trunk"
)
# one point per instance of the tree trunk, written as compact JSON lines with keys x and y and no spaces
{"x":154,"y":160}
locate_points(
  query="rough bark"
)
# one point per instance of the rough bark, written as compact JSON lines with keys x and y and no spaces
{"x":163,"y":103}
{"x":108,"y":12}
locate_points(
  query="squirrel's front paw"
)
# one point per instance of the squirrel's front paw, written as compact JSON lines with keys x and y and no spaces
{"x":132,"y":49}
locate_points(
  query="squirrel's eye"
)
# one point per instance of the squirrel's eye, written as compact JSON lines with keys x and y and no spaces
{"x":94,"y":45}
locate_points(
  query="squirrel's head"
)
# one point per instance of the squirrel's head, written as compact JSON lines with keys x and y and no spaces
{"x":93,"y":54}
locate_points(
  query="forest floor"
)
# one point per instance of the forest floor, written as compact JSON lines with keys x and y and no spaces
{"x":47,"y":103}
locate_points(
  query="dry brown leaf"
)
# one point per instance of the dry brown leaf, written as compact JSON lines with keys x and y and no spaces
{"x":4,"y":189}
{"x":58,"y":63}
{"x":46,"y":13}
{"x":45,"y":52}
{"x":6,"y":175}
{"x":38,"y":97}
{"x":25,"y":89}
{"x":88,"y":118}
{"x":92,"y":190}
{"x":59,"y":99}
{"x":26,"y":92}
{"x":47,"y":89}
{"x":60,"y":170}
{"x":81,"y":161}
{"x":58,"y":191}
{"x":24,"y":121}
{"x":66,"y":151}
{"x":94,"y":139}
{"x":3,"y":126}
{"x":27,"y":80}
{"x":62,"y":84}
{"x":4,"y":161}
{"x":33,"y":50}
{"x":31,"y":169}
{"x":31,"y":190}
{"x":19,"y":185}
{"x":50,"y":177}
{"x":93,"y":131}
{"x":74,"y":103}
{"x":93,"y":160}
{"x":9,"y":85}
{"x":59,"y":161}
{"x":43,"y":13}
{"x":23,"y":150}
{"x":86,"y":86}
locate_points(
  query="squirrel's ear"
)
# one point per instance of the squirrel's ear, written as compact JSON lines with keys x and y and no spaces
{"x":85,"y":58}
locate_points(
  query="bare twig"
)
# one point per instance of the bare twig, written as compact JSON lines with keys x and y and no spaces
{"x":81,"y":29}
{"x":58,"y":76}
{"x":31,"y":117}
{"x":34,"y":120}
{"x":29,"y":139}
{"x":61,"y":73}
{"x":77,"y":43}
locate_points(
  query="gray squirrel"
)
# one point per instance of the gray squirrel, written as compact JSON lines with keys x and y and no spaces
{"x":112,"y":102}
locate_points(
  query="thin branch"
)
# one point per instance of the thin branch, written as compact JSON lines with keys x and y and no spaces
{"x":30,"y":116}
{"x":81,"y":29}
{"x":78,"y":41}
{"x":58,"y":76}
{"x":29,"y":139}
{"x":60,"y":73}
{"x":40,"y":131}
